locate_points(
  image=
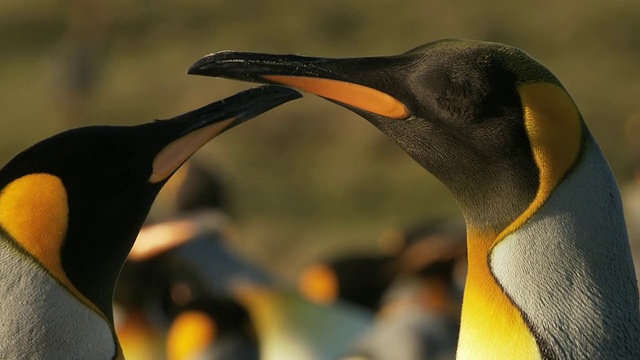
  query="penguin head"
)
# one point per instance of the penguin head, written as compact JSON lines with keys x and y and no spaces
{"x":493,"y":124}
{"x":75,"y":202}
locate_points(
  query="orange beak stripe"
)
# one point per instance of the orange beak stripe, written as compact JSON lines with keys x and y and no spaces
{"x":177,"y":152}
{"x":360,"y":96}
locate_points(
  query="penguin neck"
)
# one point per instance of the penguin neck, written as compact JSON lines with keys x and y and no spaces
{"x":95,"y":249}
{"x":558,"y":283}
{"x":569,"y":269}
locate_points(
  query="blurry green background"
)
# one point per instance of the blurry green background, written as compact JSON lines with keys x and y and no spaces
{"x":309,"y":178}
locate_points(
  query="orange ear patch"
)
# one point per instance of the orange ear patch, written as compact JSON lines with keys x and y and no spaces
{"x":34,"y":211}
{"x":362,"y":97}
{"x":553,"y":126}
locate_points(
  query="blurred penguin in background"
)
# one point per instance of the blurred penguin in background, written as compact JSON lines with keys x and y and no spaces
{"x":419,"y":315}
{"x":415,"y":287}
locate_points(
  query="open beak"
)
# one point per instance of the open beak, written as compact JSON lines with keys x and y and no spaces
{"x":197,"y":127}
{"x":356,"y":83}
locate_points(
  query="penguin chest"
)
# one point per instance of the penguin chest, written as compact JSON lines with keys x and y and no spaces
{"x":492,"y":327}
{"x":40,"y":319}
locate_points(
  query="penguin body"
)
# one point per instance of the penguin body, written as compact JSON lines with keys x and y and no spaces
{"x":501,"y":132}
{"x":70,"y":208}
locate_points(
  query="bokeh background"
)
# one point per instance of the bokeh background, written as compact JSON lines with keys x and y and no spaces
{"x":308,"y":179}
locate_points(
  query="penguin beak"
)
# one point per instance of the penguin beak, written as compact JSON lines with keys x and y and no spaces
{"x":363,"y":88}
{"x":197,"y":127}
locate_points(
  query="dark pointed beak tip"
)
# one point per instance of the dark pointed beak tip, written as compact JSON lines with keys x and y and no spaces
{"x":196,"y":68}
{"x":204,"y":65}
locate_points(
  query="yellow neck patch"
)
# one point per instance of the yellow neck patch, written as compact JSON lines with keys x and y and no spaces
{"x":35,"y":212}
{"x":491,"y":325}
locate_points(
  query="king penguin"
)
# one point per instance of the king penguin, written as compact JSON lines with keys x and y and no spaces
{"x":70,"y":209}
{"x":550,"y":270}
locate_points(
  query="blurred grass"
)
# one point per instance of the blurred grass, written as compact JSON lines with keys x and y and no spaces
{"x":309,"y":178}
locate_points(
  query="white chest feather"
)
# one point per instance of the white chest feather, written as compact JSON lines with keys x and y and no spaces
{"x":39,"y":319}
